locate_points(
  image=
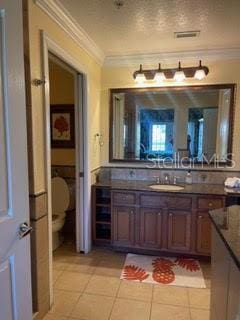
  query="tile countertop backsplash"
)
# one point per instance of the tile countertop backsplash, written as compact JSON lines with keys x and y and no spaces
{"x":141,"y":174}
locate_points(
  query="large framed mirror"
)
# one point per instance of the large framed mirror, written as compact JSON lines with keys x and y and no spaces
{"x":193,"y":123}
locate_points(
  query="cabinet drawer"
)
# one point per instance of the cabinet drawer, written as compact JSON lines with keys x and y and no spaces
{"x":210,"y":203}
{"x":124,"y":198}
{"x":165,"y":201}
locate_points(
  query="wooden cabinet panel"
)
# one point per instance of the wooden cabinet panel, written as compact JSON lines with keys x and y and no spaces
{"x":124,"y":198}
{"x":123,"y":226}
{"x":163,"y":201}
{"x":203,"y":233}
{"x":151,"y":227}
{"x":210,"y":203}
{"x":179,"y":230}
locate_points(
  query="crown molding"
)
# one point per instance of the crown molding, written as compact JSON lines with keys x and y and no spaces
{"x":171,"y":57}
{"x":62,"y":17}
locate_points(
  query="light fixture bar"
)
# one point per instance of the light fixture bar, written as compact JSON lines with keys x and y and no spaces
{"x":189,"y":72}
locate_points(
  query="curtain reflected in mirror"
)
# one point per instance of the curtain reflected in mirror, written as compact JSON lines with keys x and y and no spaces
{"x":165,"y":123}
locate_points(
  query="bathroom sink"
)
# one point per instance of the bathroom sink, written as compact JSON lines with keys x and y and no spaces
{"x":166,"y":187}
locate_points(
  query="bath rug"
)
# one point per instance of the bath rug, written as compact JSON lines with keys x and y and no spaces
{"x":179,"y":271}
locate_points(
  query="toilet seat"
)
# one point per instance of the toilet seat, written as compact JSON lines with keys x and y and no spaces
{"x":60,"y":195}
{"x":58,"y":221}
{"x":60,"y":203}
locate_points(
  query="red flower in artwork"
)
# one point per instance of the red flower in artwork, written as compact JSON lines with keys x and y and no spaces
{"x":132,"y":272}
{"x":61,"y":125}
{"x":188,"y":264}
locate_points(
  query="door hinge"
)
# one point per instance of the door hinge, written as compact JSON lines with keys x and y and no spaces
{"x":81,"y":174}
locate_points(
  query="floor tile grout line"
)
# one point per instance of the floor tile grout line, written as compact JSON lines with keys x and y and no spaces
{"x":190,"y":315}
{"x":115,"y":298}
{"x":150,"y":315}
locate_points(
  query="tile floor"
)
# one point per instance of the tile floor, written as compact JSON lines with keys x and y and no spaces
{"x":87,"y":287}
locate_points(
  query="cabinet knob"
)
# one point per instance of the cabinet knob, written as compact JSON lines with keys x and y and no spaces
{"x":159,"y":213}
{"x":210,"y":204}
{"x":170,"y":214}
{"x":199,"y":217}
{"x":132,"y":212}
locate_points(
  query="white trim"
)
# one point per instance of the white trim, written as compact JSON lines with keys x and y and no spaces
{"x":62,"y":17}
{"x":83,"y":219}
{"x":172,"y":57}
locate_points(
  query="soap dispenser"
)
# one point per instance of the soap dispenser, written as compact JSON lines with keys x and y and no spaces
{"x":188,"y":178}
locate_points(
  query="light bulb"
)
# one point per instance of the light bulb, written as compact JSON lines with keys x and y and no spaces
{"x":179,"y":76}
{"x":199,"y":74}
{"x":140,"y":78}
{"x":159,"y":77}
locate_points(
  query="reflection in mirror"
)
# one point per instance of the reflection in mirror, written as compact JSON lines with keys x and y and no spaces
{"x":169,"y":123}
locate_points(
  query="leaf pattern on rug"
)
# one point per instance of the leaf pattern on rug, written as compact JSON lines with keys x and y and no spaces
{"x":162,"y":264}
{"x":132,"y":272}
{"x":188,"y":264}
{"x":163,"y":276}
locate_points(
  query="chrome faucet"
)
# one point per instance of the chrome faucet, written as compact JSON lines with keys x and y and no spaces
{"x":157,"y":179}
{"x":175,"y":179}
{"x":166,"y":178}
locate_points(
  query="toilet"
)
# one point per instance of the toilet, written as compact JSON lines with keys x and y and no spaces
{"x":60,"y":203}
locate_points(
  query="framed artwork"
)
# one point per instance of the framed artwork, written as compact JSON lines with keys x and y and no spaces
{"x":62,"y":126}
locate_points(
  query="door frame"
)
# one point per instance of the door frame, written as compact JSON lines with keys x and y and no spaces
{"x":82,"y":101}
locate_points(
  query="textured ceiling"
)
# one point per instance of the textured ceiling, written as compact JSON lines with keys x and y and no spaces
{"x":147,"y":26}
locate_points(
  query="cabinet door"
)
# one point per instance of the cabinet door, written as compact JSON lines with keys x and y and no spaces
{"x":179,"y":230}
{"x":203,"y":233}
{"x":123,"y":226}
{"x":150,"y":227}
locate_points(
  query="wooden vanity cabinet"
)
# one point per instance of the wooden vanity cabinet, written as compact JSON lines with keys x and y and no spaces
{"x":153,"y":221}
{"x":179,"y":230}
{"x":124,"y":215}
{"x":204,"y":204}
{"x":203,"y":233}
{"x":124,"y":226}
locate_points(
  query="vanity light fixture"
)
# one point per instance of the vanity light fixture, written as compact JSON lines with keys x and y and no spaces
{"x":178,"y":74}
{"x":200,"y":72}
{"x":140,"y":76}
{"x":159,"y":75}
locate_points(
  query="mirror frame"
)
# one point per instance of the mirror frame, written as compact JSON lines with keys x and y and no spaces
{"x":231,"y":86}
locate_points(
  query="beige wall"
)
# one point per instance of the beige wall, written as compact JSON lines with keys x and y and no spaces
{"x":61,"y":85}
{"x":38,"y":20}
{"x":119,"y":77}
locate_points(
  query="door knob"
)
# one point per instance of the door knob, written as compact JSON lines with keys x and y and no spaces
{"x":24,"y":230}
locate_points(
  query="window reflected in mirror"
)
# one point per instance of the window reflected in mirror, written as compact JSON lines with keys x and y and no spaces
{"x":165,"y":123}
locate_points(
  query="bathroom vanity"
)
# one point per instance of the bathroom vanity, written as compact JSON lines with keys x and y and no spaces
{"x":225,"y":275}
{"x":131,"y":216}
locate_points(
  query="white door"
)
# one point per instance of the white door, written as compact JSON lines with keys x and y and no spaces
{"x":15,"y":272}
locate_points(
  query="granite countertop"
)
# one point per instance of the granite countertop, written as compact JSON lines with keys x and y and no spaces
{"x":197,"y":188}
{"x":227,"y":224}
